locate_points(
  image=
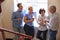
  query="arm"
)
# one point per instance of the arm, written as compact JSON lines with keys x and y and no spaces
{"x":39,"y":20}
{"x":14,"y":17}
{"x":53,"y":21}
{"x":25,"y":20}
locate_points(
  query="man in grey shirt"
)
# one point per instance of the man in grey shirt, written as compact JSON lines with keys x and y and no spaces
{"x":53,"y":23}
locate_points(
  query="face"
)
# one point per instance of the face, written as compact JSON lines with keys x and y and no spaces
{"x":52,"y":10}
{"x":42,"y":13}
{"x":30,"y":9}
{"x":20,"y":7}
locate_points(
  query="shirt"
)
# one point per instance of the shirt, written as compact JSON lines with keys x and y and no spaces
{"x":54,"y":22}
{"x":15,"y":16}
{"x":42,"y":27}
{"x":29,"y":17}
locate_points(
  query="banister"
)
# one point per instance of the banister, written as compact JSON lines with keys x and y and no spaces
{"x":10,"y":31}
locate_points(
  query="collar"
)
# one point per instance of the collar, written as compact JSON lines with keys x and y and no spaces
{"x":52,"y":14}
{"x":42,"y":16}
{"x":32,"y":13}
{"x":19,"y":10}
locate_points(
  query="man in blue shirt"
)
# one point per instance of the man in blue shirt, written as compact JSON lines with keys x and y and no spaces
{"x":17,"y":19}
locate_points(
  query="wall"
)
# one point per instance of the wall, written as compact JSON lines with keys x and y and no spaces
{"x":0,"y":26}
{"x":7,"y":7}
{"x":5,"y":17}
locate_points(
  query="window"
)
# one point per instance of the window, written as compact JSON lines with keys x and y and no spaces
{"x":36,"y":4}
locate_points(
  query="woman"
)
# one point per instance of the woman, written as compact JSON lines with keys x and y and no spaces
{"x":42,"y":25}
{"x":28,"y":19}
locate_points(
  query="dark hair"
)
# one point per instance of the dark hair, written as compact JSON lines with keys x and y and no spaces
{"x":18,"y":4}
{"x":41,"y":10}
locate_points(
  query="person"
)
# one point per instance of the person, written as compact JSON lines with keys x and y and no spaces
{"x":17,"y":19}
{"x":28,"y":19}
{"x":42,"y":25}
{"x":53,"y":23}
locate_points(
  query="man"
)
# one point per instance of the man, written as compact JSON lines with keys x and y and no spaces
{"x":17,"y":18}
{"x":53,"y":23}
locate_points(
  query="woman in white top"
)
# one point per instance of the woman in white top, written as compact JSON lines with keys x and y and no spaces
{"x":42,"y":25}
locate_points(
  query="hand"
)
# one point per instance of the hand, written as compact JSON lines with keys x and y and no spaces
{"x":46,"y":20}
{"x":19,"y":19}
{"x":32,"y":19}
{"x":41,"y":23}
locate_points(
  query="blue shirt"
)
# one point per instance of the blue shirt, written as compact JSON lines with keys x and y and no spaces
{"x":17,"y":15}
{"x":29,"y":17}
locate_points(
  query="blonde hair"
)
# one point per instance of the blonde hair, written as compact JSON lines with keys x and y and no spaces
{"x":29,"y":7}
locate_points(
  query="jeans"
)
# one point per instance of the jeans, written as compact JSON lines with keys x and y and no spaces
{"x":44,"y":34}
{"x":17,"y":29}
{"x":52,"y":35}
{"x":29,"y":30}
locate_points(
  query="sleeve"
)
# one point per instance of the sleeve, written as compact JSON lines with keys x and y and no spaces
{"x":48,"y":17}
{"x":26,"y":17}
{"x":24,"y":12}
{"x":22,"y":16}
{"x":14,"y":17}
{"x":38,"y":20}
{"x":35,"y":14}
{"x":53,"y":21}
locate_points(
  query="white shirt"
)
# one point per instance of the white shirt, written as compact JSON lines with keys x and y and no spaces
{"x":53,"y":22}
{"x":42,"y":27}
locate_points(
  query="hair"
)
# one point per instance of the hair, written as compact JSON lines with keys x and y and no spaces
{"x":18,"y":4}
{"x":29,"y":7}
{"x":53,"y":7}
{"x":41,"y":10}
